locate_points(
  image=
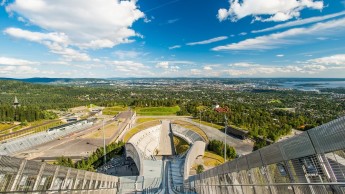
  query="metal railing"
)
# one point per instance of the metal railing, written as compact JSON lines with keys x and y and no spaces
{"x":26,"y":142}
{"x":287,"y":188}
{"x":312,"y":162}
{"x":18,"y":175}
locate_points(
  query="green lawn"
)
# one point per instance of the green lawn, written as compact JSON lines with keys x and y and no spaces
{"x":275,"y":101}
{"x":35,"y":128}
{"x":180,"y":144}
{"x":209,"y":124}
{"x":157,"y":111}
{"x":4,"y":126}
{"x":139,"y":128}
{"x":212,"y":159}
{"x":143,"y":120}
{"x":113,"y":110}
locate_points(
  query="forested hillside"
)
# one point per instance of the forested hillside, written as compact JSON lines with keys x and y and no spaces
{"x":268,"y":113}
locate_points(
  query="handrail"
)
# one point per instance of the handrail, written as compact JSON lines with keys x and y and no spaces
{"x":62,"y":190}
{"x":271,"y":184}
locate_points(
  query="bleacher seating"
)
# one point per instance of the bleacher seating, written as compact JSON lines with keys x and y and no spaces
{"x":147,"y":141}
{"x":24,"y":143}
{"x":186,"y":134}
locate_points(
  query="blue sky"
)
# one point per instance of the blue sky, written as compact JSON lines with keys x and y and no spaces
{"x":172,"y":38}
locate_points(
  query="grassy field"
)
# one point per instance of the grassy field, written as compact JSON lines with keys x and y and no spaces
{"x":5,"y":126}
{"x":19,"y":127}
{"x":140,"y":127}
{"x":211,"y":159}
{"x":113,"y":110}
{"x":181,"y":145}
{"x":143,"y":120}
{"x":275,"y":101}
{"x":287,"y":109}
{"x":192,"y":127}
{"x":35,"y":129}
{"x":209,"y":124}
{"x":157,"y":111}
{"x":109,"y":130}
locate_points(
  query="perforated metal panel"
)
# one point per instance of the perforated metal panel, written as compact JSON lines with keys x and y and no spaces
{"x":291,"y":161}
{"x":298,"y":146}
{"x":242,"y":163}
{"x":62,"y":171}
{"x":221,"y":169}
{"x":254,"y":159}
{"x":32,"y":167}
{"x":329,"y":137}
{"x":271,"y":154}
{"x":9,"y":164}
{"x":232,"y":166}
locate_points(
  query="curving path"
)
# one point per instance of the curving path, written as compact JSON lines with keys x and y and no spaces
{"x":241,"y":146}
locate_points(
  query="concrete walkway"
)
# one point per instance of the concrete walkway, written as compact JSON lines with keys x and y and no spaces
{"x":166,"y":144}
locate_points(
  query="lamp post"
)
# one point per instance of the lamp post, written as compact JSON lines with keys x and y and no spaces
{"x":104,"y":149}
{"x":225,"y":135}
{"x":200,"y":120}
{"x":223,"y":110}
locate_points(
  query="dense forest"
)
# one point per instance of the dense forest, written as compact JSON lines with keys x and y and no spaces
{"x":266,"y":113}
{"x":218,"y":147}
{"x":24,"y":113}
{"x":95,"y":160}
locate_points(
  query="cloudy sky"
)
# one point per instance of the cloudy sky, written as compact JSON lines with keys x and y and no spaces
{"x":172,"y":38}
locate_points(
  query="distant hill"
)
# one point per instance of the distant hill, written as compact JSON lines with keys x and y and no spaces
{"x":52,"y":80}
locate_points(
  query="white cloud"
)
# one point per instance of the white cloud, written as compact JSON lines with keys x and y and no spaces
{"x":127,"y":66}
{"x":265,"y":70}
{"x":207,"y":67}
{"x":273,"y":10}
{"x":174,"y":47}
{"x":276,"y":40}
{"x":320,"y":65}
{"x":15,"y":62}
{"x":18,"y":71}
{"x":163,"y":64}
{"x":21,"y":19}
{"x":56,"y":42}
{"x":122,"y":54}
{"x":174,"y":62}
{"x":301,"y":22}
{"x":87,"y":23}
{"x":242,"y":33}
{"x":173,"y":21}
{"x":222,"y":14}
{"x":68,"y":53}
{"x":220,"y":38}
{"x":280,"y":55}
{"x":59,"y":38}
{"x":242,"y":64}
{"x":148,"y":20}
{"x":329,"y":60}
{"x":196,"y":72}
{"x":314,"y":67}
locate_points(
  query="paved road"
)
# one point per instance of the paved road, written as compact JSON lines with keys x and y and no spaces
{"x":74,"y":145}
{"x":164,"y":117}
{"x":241,"y":146}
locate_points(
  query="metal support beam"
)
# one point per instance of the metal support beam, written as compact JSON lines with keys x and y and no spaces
{"x":54,"y":177}
{"x":18,"y":175}
{"x":39,"y":176}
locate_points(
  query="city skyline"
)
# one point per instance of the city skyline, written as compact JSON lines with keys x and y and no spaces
{"x":172,"y":38}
